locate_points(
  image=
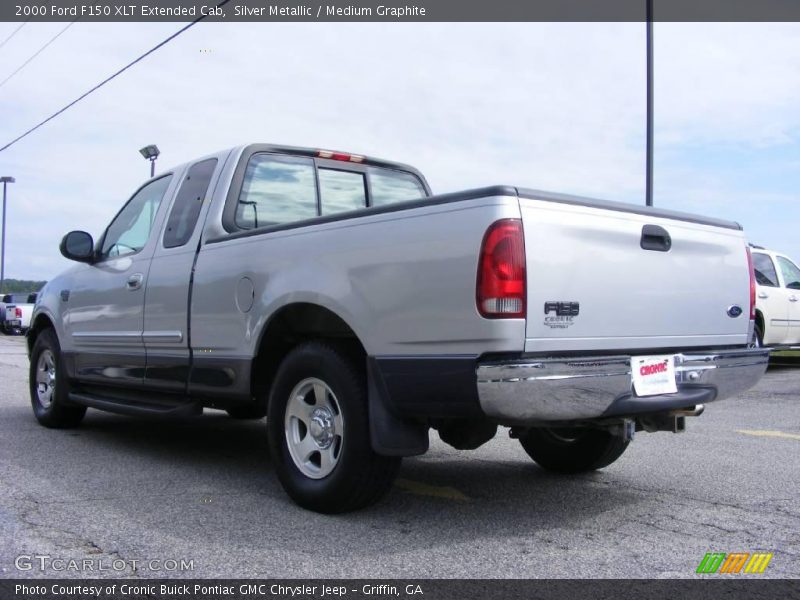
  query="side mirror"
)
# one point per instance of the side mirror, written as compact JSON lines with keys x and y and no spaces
{"x":79,"y":246}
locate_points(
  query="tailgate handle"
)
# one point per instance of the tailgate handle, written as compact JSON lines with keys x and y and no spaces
{"x":655,"y":238}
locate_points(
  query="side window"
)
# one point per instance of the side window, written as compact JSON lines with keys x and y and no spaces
{"x":276,"y":189}
{"x":765,"y":270}
{"x":341,"y":191}
{"x":790,"y":272}
{"x":389,"y":187}
{"x":130,"y":229}
{"x":183,"y":216}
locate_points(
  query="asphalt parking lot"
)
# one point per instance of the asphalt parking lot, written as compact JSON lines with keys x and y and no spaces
{"x":202,"y":490}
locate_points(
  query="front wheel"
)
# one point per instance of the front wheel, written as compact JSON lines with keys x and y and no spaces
{"x":319,"y":432}
{"x":49,"y":387}
{"x":572,"y":450}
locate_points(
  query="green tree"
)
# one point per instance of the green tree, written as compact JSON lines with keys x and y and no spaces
{"x":17,"y":286}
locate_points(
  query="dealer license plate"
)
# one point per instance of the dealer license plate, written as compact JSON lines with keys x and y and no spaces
{"x":653,"y":375}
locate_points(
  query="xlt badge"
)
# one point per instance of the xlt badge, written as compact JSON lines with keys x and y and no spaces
{"x":560,"y":315}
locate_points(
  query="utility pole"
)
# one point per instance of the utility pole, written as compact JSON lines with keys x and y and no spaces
{"x":649,"y":174}
{"x":6,"y":180}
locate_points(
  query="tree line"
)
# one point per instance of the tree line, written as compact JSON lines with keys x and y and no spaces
{"x":17,"y":286}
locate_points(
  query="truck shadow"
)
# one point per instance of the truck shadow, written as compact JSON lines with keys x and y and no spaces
{"x":466,"y":481}
{"x":442,"y":498}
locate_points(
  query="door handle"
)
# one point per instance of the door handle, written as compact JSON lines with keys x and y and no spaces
{"x":135,"y":281}
{"x":655,"y":238}
{"x":763,"y":295}
{"x":792,"y":298}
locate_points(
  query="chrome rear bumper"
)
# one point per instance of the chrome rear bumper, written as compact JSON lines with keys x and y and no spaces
{"x":567,"y":389}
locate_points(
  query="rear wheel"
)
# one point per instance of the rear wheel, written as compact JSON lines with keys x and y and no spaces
{"x":572,"y":450}
{"x":49,"y":387}
{"x":319,"y":432}
{"x":758,"y":336}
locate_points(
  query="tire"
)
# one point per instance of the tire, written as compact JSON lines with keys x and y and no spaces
{"x":319,"y":432}
{"x":246,"y":412}
{"x":572,"y":450}
{"x":49,"y":387}
{"x":758,"y":337}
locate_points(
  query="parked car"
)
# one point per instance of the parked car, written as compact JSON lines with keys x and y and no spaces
{"x":777,"y":295}
{"x":15,"y":312}
{"x":332,"y":293}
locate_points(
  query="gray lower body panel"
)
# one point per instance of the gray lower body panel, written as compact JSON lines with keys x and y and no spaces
{"x":527,"y":392}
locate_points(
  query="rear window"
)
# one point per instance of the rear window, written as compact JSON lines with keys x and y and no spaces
{"x":341,"y":191}
{"x":390,"y":187}
{"x":278,"y":189}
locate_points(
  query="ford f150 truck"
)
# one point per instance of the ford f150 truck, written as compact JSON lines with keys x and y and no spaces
{"x":333,"y":294}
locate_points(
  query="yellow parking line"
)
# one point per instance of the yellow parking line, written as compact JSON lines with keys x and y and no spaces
{"x":766,"y":433}
{"x":424,"y":489}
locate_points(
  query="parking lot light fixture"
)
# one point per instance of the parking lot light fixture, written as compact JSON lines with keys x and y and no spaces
{"x":151,"y":153}
{"x":6,"y":180}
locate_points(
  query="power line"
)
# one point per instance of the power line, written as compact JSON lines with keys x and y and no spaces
{"x":35,"y":54}
{"x":13,"y":33}
{"x":109,"y":78}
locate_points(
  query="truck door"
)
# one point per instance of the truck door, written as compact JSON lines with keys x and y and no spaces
{"x":103,"y":306}
{"x":166,"y":313}
{"x":791,"y":284}
{"x":771,"y":299}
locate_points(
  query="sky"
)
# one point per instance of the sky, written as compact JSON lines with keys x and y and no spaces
{"x":552,"y":106}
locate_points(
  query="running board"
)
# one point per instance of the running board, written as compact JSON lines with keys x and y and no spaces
{"x":183,"y":408}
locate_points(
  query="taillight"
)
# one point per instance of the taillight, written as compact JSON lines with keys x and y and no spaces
{"x":340,"y":156}
{"x":18,"y":312}
{"x":752,"y":284}
{"x":501,"y":271}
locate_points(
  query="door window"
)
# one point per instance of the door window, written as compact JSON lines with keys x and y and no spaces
{"x":790,"y":272}
{"x":130,"y":229}
{"x":765,"y":270}
{"x":186,"y":209}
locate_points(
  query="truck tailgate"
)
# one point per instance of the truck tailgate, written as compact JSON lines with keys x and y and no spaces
{"x":591,"y":286}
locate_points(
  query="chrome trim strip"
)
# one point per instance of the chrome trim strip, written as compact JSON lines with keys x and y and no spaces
{"x":121,"y":338}
{"x":163,"y":336}
{"x":106,"y":334}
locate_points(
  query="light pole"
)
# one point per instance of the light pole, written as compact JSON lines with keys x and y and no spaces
{"x":151,"y":153}
{"x":6,"y":180}
{"x":648,"y":194}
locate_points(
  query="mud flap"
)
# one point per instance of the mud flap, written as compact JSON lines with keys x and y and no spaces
{"x":391,"y":435}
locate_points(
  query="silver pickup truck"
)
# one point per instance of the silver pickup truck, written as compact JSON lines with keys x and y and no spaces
{"x":332,"y":293}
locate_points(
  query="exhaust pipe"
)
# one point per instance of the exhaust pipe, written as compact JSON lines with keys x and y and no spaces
{"x":689,"y":412}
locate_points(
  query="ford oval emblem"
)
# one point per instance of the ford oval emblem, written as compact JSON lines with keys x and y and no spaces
{"x":734,"y":311}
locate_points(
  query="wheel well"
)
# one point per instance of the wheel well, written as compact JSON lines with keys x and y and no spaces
{"x":41,"y":323}
{"x":293,"y":325}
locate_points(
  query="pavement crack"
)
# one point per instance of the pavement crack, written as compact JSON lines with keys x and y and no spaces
{"x":68,"y":539}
